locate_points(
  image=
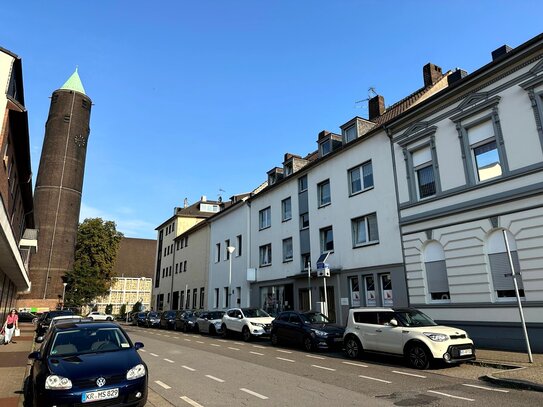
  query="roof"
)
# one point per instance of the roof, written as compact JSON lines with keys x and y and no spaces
{"x":74,"y":83}
{"x":135,"y":258}
{"x":192,"y":211}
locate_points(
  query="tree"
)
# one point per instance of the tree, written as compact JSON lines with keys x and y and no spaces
{"x":95,"y":253}
{"x":122,"y":311}
{"x":137,"y":307}
{"x":109,"y":309}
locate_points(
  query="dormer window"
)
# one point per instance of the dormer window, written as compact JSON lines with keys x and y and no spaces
{"x":350,"y":134}
{"x":288,"y":169}
{"x":325,"y":148}
{"x":275,"y":175}
{"x":328,"y":142}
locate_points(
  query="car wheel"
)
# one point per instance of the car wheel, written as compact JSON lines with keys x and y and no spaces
{"x":308,"y":343}
{"x":108,"y":319}
{"x":224,"y":331}
{"x":185,"y":328}
{"x":28,"y":393}
{"x":274,"y":339}
{"x":91,"y":318}
{"x":212,"y":330}
{"x":196,"y":328}
{"x":418,"y":356}
{"x":353,"y":347}
{"x":246,"y":334}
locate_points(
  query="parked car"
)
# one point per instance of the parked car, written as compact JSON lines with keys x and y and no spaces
{"x":167,"y":319}
{"x":209,"y":322}
{"x":250,"y":322}
{"x":99,"y":316}
{"x":42,"y":325}
{"x":87,"y":362}
{"x":406,"y":332}
{"x":139,"y":318}
{"x":25,"y":316}
{"x":62,"y":319}
{"x":152,"y":319}
{"x":186,"y":320}
{"x":312,"y":330}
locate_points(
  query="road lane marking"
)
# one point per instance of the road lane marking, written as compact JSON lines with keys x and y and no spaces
{"x":373,"y":378}
{"x":168,"y":360}
{"x":260,"y":396}
{"x":286,"y":360}
{"x":486,"y":388}
{"x":258,"y":346}
{"x":315,"y":357}
{"x":325,"y":368}
{"x":256,"y":353}
{"x":222,"y":340}
{"x":214,"y":378}
{"x":164,"y":385}
{"x":175,"y":337}
{"x":233,"y":348}
{"x":153,"y":354}
{"x":450,"y":395}
{"x":283,"y":351}
{"x":188,"y":340}
{"x":190,"y":401}
{"x":195,"y":336}
{"x":142,"y":350}
{"x":199,"y":342}
{"x":355,"y":364}
{"x":159,"y":334}
{"x":409,"y":374}
{"x":188,"y":368}
{"x":239,"y":343}
{"x":215,"y":344}
{"x":167,"y":336}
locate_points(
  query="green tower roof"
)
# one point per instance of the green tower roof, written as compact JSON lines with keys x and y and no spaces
{"x":74,"y":83}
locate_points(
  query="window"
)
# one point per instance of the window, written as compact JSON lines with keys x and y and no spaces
{"x":326,"y":147}
{"x":226,"y":298}
{"x":323,"y":190}
{"x":239,"y":240}
{"x":302,"y":184}
{"x":264,"y":218}
{"x":304,"y":220}
{"x":424,"y":172}
{"x":265,"y":255}
{"x":182,"y":300}
{"x":484,"y":151}
{"x":436,"y":271}
{"x":327,"y":239}
{"x":217,"y":252}
{"x":306,"y":261}
{"x":176,"y":268}
{"x":202,"y":290}
{"x":216,"y":298}
{"x":350,"y":133}
{"x":500,"y":266}
{"x":226,"y":246}
{"x":286,"y":209}
{"x":194,"y":297}
{"x":288,"y":169}
{"x":365,"y":317}
{"x":364,"y":230}
{"x":186,"y":241}
{"x":360,"y":178}
{"x":287,"y":249}
{"x":185,"y":266}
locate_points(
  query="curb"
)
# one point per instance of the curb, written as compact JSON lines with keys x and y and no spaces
{"x":513,"y":383}
{"x":156,"y":400}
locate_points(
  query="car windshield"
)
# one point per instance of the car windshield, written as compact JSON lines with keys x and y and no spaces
{"x":314,"y":318}
{"x":254,"y":313}
{"x":216,"y":314}
{"x":414,"y":318}
{"x":153,"y":315}
{"x":88,"y":340}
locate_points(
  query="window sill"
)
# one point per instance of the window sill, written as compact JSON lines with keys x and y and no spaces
{"x":264,"y":228}
{"x":325,"y":205}
{"x":361,"y":191}
{"x":287,"y":261}
{"x":373,"y":243}
{"x":265,"y":265}
{"x":286,"y":220}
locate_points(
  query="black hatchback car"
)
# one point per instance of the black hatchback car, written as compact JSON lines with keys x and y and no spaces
{"x":138,"y":319}
{"x":87,"y":362}
{"x":167,"y":319}
{"x":312,"y":330}
{"x":42,"y":325}
{"x":152,"y":319}
{"x":186,"y":320}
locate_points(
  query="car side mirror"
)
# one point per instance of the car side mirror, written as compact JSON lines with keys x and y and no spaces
{"x":239,"y":316}
{"x":393,"y":322}
{"x":39,"y":339}
{"x":138,"y":345}
{"x":34,"y":355}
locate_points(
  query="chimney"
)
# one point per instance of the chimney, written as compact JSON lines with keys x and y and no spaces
{"x":456,"y":76}
{"x":431,"y":74}
{"x":323,"y":134}
{"x":376,"y":106}
{"x":185,"y":203}
{"x":203,"y":198}
{"x":504,"y":49}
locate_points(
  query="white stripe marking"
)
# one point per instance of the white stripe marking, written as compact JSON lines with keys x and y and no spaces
{"x":195,"y":336}
{"x":191,"y":402}
{"x":239,"y":343}
{"x":153,"y":354}
{"x":450,"y":395}
{"x":221,"y":340}
{"x":188,"y":368}
{"x":164,"y":385}
{"x":256,"y":353}
{"x":260,"y":396}
{"x":373,"y":378}
{"x":167,"y":336}
{"x":199,"y":342}
{"x":215,"y":344}
{"x":175,"y":337}
{"x":315,"y":357}
{"x":286,"y":360}
{"x":486,"y":388}
{"x":233,"y":348}
{"x":168,"y":360}
{"x":325,"y":368}
{"x":283,"y":351}
{"x":215,"y":378}
{"x":159,"y":334}
{"x":409,"y":374}
{"x":188,"y":340}
{"x":142,"y":350}
{"x":355,"y":364}
{"x":258,"y":346}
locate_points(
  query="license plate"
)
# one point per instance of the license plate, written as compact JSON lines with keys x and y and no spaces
{"x":99,"y":395}
{"x":464,"y":352}
{"x":338,"y":339}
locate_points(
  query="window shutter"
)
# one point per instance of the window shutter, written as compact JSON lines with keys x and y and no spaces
{"x":499,"y":266}
{"x":421,"y":156}
{"x":480,"y":132}
{"x":436,"y":272}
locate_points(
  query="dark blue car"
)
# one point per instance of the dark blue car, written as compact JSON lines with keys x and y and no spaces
{"x":87,"y":362}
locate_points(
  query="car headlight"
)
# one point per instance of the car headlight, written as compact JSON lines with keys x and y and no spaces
{"x":136,"y":372}
{"x":190,"y":322}
{"x":258,"y":324}
{"x":54,"y":382}
{"x":217,"y":324}
{"x":321,"y":334}
{"x":437,"y":337}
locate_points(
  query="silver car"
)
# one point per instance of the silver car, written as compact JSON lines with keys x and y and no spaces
{"x":209,"y":322}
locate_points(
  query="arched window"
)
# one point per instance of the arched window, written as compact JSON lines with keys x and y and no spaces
{"x":436,"y":271}
{"x":500,"y":266}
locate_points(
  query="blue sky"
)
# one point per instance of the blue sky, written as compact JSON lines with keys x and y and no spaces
{"x":194,"y":97}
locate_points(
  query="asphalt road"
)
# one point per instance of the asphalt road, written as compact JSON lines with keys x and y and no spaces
{"x":198,"y":370}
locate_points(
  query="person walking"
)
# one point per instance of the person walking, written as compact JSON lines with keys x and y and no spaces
{"x":12,"y":323}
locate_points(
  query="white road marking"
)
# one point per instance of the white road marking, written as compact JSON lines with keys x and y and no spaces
{"x":355,"y":364}
{"x":159,"y":334}
{"x":167,"y":336}
{"x":164,"y":385}
{"x":215,"y":344}
{"x":258,"y":346}
{"x":325,"y":368}
{"x":486,"y":388}
{"x":195,"y":336}
{"x":176,"y":337}
{"x":450,"y":395}
{"x":409,"y":374}
{"x":142,"y":350}
{"x":222,"y":340}
{"x":199,"y":342}
{"x":283,"y":351}
{"x":315,"y":357}
{"x":373,"y":378}
{"x":256,"y":353}
{"x":190,"y":401}
{"x":153,"y":354}
{"x":168,"y":360}
{"x":260,"y":396}
{"x":233,"y":348}
{"x":239,"y":343}
{"x":188,"y":340}
{"x":188,"y":368}
{"x":286,"y":360}
{"x":215,"y":378}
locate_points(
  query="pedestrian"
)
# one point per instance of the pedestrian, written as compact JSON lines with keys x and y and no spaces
{"x":12,"y":323}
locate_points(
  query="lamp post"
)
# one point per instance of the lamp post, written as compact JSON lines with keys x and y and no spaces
{"x":63,"y":293}
{"x":230,"y":250}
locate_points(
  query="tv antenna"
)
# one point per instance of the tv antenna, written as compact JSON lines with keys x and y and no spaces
{"x":371,"y":93}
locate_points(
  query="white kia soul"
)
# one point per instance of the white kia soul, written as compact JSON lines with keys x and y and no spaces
{"x":407,"y":332}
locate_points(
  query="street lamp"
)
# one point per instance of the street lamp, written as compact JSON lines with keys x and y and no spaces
{"x":63,"y":293}
{"x":230,"y":250}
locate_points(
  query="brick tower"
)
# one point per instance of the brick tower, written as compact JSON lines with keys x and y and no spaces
{"x":57,"y":196}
